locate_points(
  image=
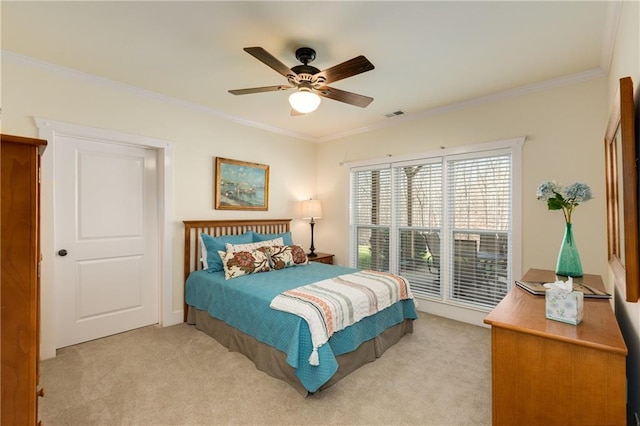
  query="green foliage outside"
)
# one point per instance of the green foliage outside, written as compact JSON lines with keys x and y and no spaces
{"x":364,"y":257}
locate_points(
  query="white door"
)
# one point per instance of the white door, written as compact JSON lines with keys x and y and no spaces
{"x":106,"y":239}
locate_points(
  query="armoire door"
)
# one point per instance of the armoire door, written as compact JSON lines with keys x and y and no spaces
{"x":20,"y":278}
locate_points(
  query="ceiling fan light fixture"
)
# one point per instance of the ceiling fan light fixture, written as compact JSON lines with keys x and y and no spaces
{"x":304,"y":101}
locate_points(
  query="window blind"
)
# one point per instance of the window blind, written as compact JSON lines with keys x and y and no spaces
{"x":445,"y":222}
{"x":371,"y":218}
{"x":418,"y":212}
{"x":479,"y":217}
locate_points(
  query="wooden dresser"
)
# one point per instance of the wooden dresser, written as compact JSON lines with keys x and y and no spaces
{"x":546,"y":372}
{"x":20,"y":293}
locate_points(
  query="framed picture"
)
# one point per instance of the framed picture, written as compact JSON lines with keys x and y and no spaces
{"x":241,"y":185}
{"x":622,"y":193}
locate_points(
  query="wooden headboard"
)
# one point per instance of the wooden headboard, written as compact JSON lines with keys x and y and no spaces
{"x":216,"y":228}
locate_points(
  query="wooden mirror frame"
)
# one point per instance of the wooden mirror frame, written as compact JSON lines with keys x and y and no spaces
{"x":625,"y":266}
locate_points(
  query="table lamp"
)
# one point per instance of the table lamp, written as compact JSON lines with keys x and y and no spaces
{"x":311,"y":209}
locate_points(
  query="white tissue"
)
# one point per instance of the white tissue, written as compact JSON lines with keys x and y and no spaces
{"x":562,"y":303}
{"x":561,"y":285}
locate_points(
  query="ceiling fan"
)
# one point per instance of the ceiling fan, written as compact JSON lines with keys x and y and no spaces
{"x":310,"y":82}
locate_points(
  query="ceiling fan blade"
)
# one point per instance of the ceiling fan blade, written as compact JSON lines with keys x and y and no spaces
{"x":344,"y":96}
{"x":346,"y":69}
{"x":267,"y":58}
{"x":260,"y":89}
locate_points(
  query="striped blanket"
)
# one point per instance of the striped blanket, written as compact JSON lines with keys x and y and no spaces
{"x":333,"y":304}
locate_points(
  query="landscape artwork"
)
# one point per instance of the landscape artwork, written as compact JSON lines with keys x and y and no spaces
{"x":241,"y":185}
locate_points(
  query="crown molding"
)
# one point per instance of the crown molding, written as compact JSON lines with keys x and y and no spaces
{"x":506,"y":94}
{"x":610,"y":33}
{"x":112,"y":84}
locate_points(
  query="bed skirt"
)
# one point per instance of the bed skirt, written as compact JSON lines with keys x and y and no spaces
{"x":273,"y":362}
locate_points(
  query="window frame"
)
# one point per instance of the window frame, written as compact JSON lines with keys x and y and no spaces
{"x":512,"y":146}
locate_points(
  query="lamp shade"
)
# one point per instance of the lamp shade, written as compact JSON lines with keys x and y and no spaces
{"x":311,"y":209}
{"x":304,"y":101}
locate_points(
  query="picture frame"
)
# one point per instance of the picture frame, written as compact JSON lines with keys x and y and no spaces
{"x":621,"y":159}
{"x":241,"y":185}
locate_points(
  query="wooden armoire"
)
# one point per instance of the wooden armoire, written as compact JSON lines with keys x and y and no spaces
{"x":20,"y":269}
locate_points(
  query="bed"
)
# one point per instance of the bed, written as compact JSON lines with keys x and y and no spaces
{"x":236,"y":312}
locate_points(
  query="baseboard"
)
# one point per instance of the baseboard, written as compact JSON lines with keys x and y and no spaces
{"x":175,"y":317}
{"x":454,"y":312}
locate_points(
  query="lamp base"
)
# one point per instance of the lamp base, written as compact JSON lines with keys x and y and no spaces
{"x":312,"y":249}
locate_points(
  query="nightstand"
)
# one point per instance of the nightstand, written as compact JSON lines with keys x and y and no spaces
{"x":322,"y":258}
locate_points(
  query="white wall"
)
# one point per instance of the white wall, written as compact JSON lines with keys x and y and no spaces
{"x":563,"y":127}
{"x":626,"y":62}
{"x":30,"y":90}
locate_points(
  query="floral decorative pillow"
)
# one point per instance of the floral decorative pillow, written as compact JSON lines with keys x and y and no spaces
{"x":287,"y":256}
{"x":240,"y":263}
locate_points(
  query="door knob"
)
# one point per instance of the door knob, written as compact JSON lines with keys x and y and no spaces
{"x":62,"y":252}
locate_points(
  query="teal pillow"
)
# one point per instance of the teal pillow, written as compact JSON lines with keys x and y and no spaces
{"x":286,"y":237}
{"x":213,"y":244}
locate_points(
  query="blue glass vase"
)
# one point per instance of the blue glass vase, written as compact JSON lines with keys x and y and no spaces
{"x":569,"y":259}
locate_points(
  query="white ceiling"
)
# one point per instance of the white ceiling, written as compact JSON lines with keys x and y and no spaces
{"x":428,"y":56}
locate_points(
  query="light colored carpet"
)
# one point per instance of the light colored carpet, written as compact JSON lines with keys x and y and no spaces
{"x":439,"y":375}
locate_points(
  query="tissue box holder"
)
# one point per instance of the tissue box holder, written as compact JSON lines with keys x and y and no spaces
{"x":564,"y":306}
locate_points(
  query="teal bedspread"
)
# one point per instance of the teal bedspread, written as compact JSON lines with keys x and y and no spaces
{"x":243,"y":303}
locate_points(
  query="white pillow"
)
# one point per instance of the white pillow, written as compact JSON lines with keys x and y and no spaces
{"x":233,"y":248}
{"x":203,"y":253}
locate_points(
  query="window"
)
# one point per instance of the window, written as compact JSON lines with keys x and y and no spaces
{"x":371,"y":195}
{"x":479,"y":218}
{"x":418,"y":207}
{"x":444,"y":222}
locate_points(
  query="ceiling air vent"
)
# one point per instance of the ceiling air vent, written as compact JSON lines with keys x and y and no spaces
{"x":394,"y":113}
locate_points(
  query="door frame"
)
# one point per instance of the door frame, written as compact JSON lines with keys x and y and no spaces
{"x":49,"y":130}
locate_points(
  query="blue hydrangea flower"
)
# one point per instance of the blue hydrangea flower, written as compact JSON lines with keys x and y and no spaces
{"x":547,"y":190}
{"x":563,"y":198}
{"x":578,"y":192}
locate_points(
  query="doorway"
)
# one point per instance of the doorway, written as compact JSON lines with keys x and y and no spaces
{"x":98,"y":253}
